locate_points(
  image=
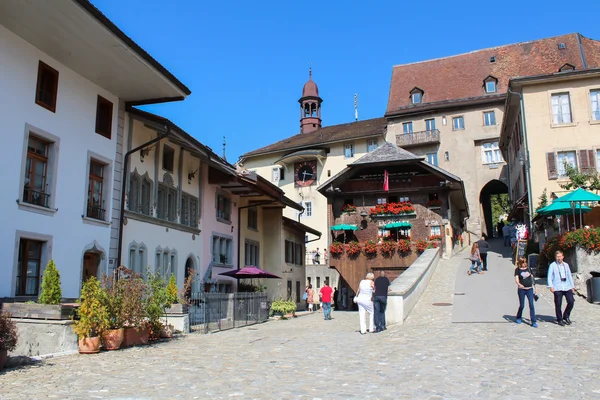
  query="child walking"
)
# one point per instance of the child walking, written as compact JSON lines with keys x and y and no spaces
{"x":475,"y":260}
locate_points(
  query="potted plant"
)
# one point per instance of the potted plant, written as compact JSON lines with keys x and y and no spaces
{"x":134,"y":307}
{"x":388,"y":247}
{"x":51,"y":292}
{"x":353,"y":249}
{"x":157,"y":302}
{"x":348,"y":208}
{"x":336,"y":249}
{"x":404,"y":248}
{"x":8,"y":336}
{"x":113,"y":336}
{"x":284,"y":308}
{"x":93,"y":317}
{"x":370,"y":248}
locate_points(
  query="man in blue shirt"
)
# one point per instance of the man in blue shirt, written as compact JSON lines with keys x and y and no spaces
{"x":560,"y":282}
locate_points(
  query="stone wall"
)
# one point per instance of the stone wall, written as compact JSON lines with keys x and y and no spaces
{"x":581,"y":263}
{"x":44,"y":337}
{"x":408,"y":287}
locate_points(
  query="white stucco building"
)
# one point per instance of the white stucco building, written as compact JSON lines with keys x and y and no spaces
{"x":67,"y":75}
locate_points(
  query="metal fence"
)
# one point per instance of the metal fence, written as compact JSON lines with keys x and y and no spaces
{"x":212,"y":312}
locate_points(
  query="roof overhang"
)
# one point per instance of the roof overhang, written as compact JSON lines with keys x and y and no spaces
{"x":78,"y":35}
{"x":302,"y":155}
{"x":445,"y":105}
{"x":290,"y":223}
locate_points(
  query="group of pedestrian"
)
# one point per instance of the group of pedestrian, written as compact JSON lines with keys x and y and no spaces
{"x":560,"y":281}
{"x":325,"y":297}
{"x":372,"y":299}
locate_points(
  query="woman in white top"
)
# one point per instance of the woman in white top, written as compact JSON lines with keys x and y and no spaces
{"x":365,"y":303}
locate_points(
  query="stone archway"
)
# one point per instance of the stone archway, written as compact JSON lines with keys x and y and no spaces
{"x":494,"y":187}
{"x":93,"y":261}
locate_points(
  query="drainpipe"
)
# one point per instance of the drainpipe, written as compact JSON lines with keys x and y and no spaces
{"x":124,"y":188}
{"x":239,"y":232}
{"x":526,"y":149}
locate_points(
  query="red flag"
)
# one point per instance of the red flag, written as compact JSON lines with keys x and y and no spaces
{"x":386,"y":181}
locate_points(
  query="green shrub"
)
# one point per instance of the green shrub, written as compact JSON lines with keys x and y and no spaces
{"x":93,"y":315}
{"x":51,"y":292}
{"x":172,"y":296}
{"x":156,"y":301}
{"x":282,"y":307}
{"x":8,"y":332}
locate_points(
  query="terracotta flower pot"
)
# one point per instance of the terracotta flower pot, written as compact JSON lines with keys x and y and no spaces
{"x":3,"y":357}
{"x":89,"y":345}
{"x":136,"y":336}
{"x":166,"y":333}
{"x":112,"y":339}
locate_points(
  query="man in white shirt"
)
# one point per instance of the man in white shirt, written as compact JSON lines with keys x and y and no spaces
{"x":560,"y":282}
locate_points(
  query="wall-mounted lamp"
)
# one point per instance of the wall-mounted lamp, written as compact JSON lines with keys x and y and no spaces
{"x":145,"y":152}
{"x":192,"y":175}
{"x":364,"y":214}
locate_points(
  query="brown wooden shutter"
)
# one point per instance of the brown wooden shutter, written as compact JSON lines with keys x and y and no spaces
{"x":591,"y":160}
{"x":551,"y":164}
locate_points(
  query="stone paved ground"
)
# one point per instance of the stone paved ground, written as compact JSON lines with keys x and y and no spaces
{"x":426,"y":358}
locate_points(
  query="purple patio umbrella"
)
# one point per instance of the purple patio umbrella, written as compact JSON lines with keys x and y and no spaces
{"x":249,"y":272}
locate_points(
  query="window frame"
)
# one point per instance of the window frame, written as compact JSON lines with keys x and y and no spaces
{"x":492,"y":120}
{"x":458,"y":118}
{"x":427,"y":122}
{"x":595,"y":118}
{"x":435,"y":157}
{"x":51,"y":170}
{"x":45,"y":68}
{"x":223,"y":216}
{"x":168,"y":151}
{"x":252,"y":216}
{"x":495,"y":151}
{"x":408,"y":124}
{"x":275,"y":174}
{"x":189,"y":210}
{"x":93,"y":178}
{"x":21,"y":276}
{"x":103,"y":115}
{"x":556,"y":119}
{"x":33,"y":159}
{"x":492,"y":82}
{"x":371,"y":145}
{"x":251,"y":253}
{"x":415,"y":94}
{"x":166,"y":204}
{"x":222,"y":239}
{"x":559,"y":165}
{"x":351,"y":147}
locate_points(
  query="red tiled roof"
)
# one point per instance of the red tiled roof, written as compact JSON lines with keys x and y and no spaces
{"x":334,"y":133}
{"x":462,"y":76}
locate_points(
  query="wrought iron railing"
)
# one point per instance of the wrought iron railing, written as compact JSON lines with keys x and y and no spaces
{"x":96,"y":212}
{"x":34,"y":197}
{"x":213,"y":312}
{"x":418,"y":138}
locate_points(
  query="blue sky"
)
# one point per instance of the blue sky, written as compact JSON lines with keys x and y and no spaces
{"x":246,"y":62}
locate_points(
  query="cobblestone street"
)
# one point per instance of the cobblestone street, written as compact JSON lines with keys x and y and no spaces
{"x":427,"y":357}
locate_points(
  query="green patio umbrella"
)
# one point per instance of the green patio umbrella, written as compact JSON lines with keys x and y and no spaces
{"x":344,"y":227}
{"x":577,"y":197}
{"x":561,"y":208}
{"x":398,"y":224}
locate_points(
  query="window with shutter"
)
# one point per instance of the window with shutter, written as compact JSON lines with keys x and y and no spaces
{"x":551,"y":164}
{"x":587,"y":160}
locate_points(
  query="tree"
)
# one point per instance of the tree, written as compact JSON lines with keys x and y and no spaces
{"x":51,"y":291}
{"x":500,"y":206}
{"x":577,"y":179}
{"x":543,"y":200}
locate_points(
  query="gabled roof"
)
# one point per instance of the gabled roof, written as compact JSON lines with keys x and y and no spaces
{"x":389,"y":153}
{"x":457,"y":77}
{"x":328,"y":134}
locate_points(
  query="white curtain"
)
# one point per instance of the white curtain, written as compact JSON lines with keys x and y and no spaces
{"x":561,"y":109}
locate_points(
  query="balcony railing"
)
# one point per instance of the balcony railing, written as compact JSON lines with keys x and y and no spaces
{"x":96,"y":212}
{"x":418,"y":138}
{"x":34,"y":197}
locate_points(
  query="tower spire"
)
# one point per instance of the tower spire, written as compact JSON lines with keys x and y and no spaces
{"x":310,"y":105}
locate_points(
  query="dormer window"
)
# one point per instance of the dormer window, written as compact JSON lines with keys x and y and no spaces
{"x":416,"y":96}
{"x":490,"y":84}
{"x":567,"y":67}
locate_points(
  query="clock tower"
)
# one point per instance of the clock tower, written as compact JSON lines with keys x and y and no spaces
{"x":310,"y":106}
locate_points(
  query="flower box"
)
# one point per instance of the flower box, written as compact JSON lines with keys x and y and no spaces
{"x":40,"y":311}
